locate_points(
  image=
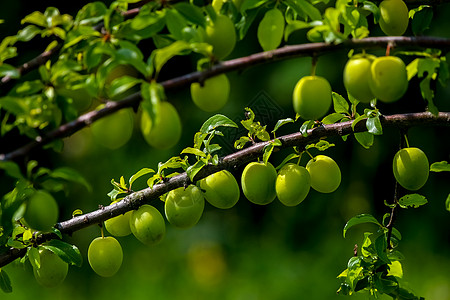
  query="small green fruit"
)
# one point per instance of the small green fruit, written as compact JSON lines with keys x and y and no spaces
{"x":389,"y":80}
{"x":221,"y":34}
{"x":105,"y":256}
{"x":42,"y":211}
{"x":394,"y":17}
{"x":411,"y":168}
{"x":115,"y":130}
{"x":184,"y":206}
{"x":258,"y":182}
{"x":120,"y":225}
{"x":312,"y":97}
{"x":221,"y":189}
{"x":293,"y":184}
{"x":165,"y":131}
{"x":53,"y":270}
{"x":325,"y":174}
{"x":271,"y":29}
{"x":148,"y":225}
{"x":357,"y":78}
{"x":213,"y":95}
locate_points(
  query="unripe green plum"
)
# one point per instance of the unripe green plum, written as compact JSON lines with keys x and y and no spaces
{"x":82,"y":100}
{"x":214,"y":93}
{"x":325,"y":174}
{"x":120,"y":225}
{"x":184,"y":206}
{"x":389,"y":80}
{"x":221,"y":189}
{"x":393,"y":17}
{"x":312,"y":97}
{"x":165,"y":131}
{"x":357,"y":77}
{"x":53,"y":270}
{"x":105,"y":256}
{"x":411,"y":168}
{"x":221,"y":34}
{"x":293,"y":184}
{"x":271,"y":29}
{"x":115,"y":130}
{"x":42,"y":211}
{"x":258,"y":182}
{"x":148,"y":225}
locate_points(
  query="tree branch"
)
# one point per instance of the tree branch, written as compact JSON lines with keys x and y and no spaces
{"x":228,"y":66}
{"x":231,"y":161}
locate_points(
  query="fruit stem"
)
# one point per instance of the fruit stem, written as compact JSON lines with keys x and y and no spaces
{"x":309,"y":154}
{"x":101,"y":230}
{"x":299,"y":158}
{"x":313,"y":65}
{"x":405,"y":136}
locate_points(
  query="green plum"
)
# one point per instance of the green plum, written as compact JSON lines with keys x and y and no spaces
{"x":148,"y":225}
{"x":221,"y":189}
{"x":357,"y":77}
{"x":411,"y":168}
{"x":258,"y":182}
{"x":53,"y":270}
{"x":312,"y":97}
{"x":271,"y":29}
{"x":115,"y":130}
{"x":105,"y":256}
{"x":213,"y":95}
{"x":165,"y":131}
{"x":41,"y":211}
{"x":325,"y":174}
{"x":293,"y":184}
{"x":120,"y":225}
{"x":184,"y":206}
{"x":393,"y":17}
{"x":389,"y":80}
{"x":221,"y":34}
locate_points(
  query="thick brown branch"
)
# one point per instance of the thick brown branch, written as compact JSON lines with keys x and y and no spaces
{"x":228,"y":66}
{"x":229,"y":162}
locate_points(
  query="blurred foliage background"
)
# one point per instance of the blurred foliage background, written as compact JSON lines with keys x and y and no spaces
{"x":252,"y":252}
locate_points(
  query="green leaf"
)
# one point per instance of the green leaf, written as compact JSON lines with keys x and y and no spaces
{"x":5,"y":282}
{"x":304,"y":7}
{"x":217,"y":121}
{"x":36,"y":18}
{"x":140,"y":173}
{"x":33,"y":256}
{"x":191,"y":12}
{"x":268,"y":150}
{"x":190,"y":150}
{"x":11,"y":168}
{"x":241,"y":142}
{"x":360,"y":219}
{"x":194,"y":169}
{"x":373,"y":125}
{"x":8,"y":70}
{"x":441,"y":166}
{"x":421,"y":18}
{"x":121,"y":85}
{"x":161,"y":56}
{"x":306,"y":126}
{"x":281,"y":123}
{"x":67,"y":252}
{"x":286,"y":159}
{"x":365,"y":139}
{"x":332,"y":118}
{"x":70,"y":174}
{"x":340,"y":104}
{"x":412,"y":200}
{"x":381,"y":248}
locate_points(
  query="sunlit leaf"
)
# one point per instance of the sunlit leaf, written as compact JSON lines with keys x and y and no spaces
{"x":412,"y":200}
{"x":360,"y":219}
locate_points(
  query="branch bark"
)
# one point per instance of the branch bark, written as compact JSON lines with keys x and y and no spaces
{"x":229,"y":66}
{"x":231,"y":161}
